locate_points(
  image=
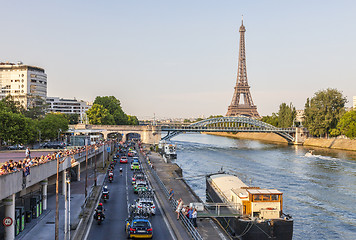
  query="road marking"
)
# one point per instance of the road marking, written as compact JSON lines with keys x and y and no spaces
{"x":157,"y":202}
{"x":218,"y":230}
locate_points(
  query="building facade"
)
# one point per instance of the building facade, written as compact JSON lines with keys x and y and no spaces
{"x":69,"y":106}
{"x":24,"y":83}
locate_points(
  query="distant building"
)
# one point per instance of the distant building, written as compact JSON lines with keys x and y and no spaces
{"x":23,"y":82}
{"x":69,"y":106}
{"x":354,"y":103}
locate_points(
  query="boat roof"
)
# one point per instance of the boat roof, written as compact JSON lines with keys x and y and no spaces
{"x":263,"y":191}
{"x":226,"y":182}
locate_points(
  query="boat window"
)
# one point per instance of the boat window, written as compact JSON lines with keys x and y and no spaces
{"x":274,"y":198}
{"x":257,"y":198}
{"x":266,"y":197}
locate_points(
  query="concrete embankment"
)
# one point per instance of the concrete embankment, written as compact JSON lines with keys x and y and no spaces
{"x":269,"y":137}
{"x":333,"y":143}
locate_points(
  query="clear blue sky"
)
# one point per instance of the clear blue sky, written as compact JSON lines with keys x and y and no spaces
{"x":179,"y":58}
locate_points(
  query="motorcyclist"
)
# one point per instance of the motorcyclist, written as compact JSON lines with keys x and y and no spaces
{"x":120,"y":170}
{"x":105,"y":191}
{"x":99,"y":209}
{"x":111,"y":174}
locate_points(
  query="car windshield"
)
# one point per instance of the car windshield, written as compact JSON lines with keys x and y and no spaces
{"x":147,"y":203}
{"x":141,"y":185}
{"x":141,"y":224}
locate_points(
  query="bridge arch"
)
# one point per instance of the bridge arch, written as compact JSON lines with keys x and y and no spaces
{"x":229,"y":124}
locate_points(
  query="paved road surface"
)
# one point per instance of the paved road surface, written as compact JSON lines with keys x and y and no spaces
{"x":121,"y":194}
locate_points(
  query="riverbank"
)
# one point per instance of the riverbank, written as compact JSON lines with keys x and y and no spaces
{"x":331,"y":143}
{"x":268,"y":137}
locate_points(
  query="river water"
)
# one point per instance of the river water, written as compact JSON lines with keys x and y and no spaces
{"x":319,"y":191}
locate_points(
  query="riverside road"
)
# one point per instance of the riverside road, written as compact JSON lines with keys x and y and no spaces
{"x":116,"y":210}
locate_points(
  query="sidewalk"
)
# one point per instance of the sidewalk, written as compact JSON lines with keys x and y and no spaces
{"x":168,"y":175}
{"x":43,"y":228}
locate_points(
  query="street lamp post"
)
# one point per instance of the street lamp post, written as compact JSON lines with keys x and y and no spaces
{"x":95,"y":166}
{"x":86,"y":170}
{"x":39,"y":137}
{"x":57,"y":202}
{"x":57,"y":215}
{"x":59,"y":130}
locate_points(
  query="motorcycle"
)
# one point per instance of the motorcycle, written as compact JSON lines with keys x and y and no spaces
{"x":105,"y":196}
{"x":99,"y":218}
{"x":111,"y":178}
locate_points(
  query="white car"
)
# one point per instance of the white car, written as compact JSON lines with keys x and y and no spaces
{"x":146,"y":203}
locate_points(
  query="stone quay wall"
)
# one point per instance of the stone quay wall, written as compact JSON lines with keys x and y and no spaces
{"x":331,"y":143}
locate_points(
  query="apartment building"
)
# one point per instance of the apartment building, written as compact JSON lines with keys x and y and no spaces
{"x":23,"y":82}
{"x":69,"y":106}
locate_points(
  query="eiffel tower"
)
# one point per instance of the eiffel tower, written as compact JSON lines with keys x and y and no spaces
{"x":247,"y":108}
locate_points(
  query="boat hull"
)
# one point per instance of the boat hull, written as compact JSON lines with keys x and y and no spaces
{"x":278,"y":229}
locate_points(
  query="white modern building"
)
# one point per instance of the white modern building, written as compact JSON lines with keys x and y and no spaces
{"x":23,"y":82}
{"x":69,"y":106}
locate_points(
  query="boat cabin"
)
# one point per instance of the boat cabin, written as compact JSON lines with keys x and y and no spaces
{"x":259,"y":203}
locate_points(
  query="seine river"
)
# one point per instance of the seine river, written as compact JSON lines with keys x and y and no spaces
{"x":319,"y":191}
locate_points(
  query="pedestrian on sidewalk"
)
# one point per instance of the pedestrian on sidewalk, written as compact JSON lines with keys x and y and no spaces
{"x":194,"y":218}
{"x":190,"y":213}
{"x":28,"y":153}
{"x":179,"y":207}
{"x":171,"y":194}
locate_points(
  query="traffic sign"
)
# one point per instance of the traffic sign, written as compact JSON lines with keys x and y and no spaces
{"x":7,"y":221}
{"x":108,"y":149}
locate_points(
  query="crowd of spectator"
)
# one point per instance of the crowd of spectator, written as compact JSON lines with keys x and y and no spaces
{"x":25,"y":165}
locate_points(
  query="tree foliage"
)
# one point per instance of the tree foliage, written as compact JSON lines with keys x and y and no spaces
{"x":73,"y":118}
{"x":273,"y":119}
{"x":114,"y":114}
{"x":98,"y":115}
{"x":113,"y":105}
{"x":347,"y":125}
{"x":323,"y":111}
{"x":286,"y":115}
{"x":37,"y":109}
{"x":52,"y":124}
{"x":284,"y":118}
{"x":15,"y":128}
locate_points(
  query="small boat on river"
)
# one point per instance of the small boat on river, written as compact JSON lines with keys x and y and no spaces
{"x":260,"y":211}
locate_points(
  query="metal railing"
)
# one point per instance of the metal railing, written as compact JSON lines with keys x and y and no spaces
{"x":186,"y":222}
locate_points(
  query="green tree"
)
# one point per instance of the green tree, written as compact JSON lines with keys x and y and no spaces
{"x":73,"y":118}
{"x":37,"y":109}
{"x":273,"y":119}
{"x":53,"y":124}
{"x":15,"y":128}
{"x":113,"y":105}
{"x":323,"y":111}
{"x":132,"y":120}
{"x":286,"y":115}
{"x":9,"y":104}
{"x":347,"y":125}
{"x":217,"y":116}
{"x":98,"y":115}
